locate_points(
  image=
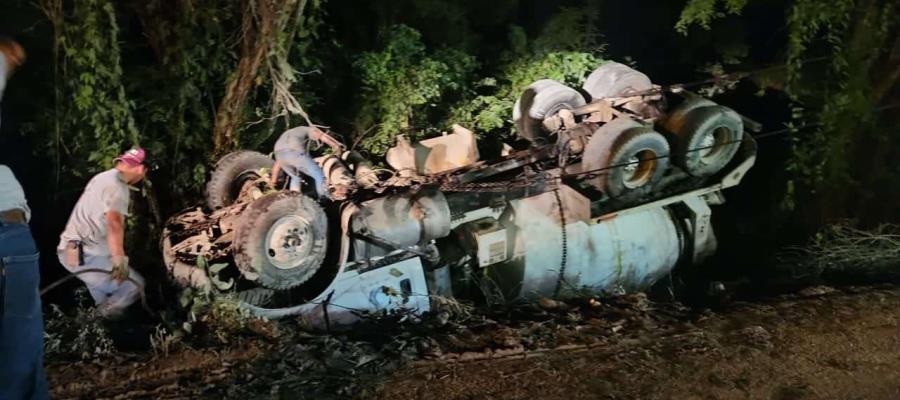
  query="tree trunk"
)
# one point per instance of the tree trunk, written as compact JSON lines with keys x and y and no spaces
{"x":258,"y":33}
{"x":888,"y":75}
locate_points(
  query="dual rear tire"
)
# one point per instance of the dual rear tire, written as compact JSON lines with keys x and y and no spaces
{"x":542,"y":99}
{"x":705,"y":136}
{"x":624,"y":156}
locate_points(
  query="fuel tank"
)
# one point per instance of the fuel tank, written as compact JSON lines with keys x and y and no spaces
{"x":555,"y":249}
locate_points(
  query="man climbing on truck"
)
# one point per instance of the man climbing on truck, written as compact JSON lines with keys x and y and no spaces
{"x":292,"y":156}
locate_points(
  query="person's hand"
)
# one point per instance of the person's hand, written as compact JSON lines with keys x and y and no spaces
{"x":119,"y":268}
{"x":318,"y":134}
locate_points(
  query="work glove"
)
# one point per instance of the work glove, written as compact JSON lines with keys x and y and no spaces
{"x":119,"y":268}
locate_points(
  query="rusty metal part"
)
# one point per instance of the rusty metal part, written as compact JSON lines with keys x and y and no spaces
{"x":436,"y":155}
{"x":341,"y":182}
{"x":363,"y":171}
{"x":184,"y":274}
{"x":511,"y":162}
{"x":391,"y":245}
{"x":599,"y":112}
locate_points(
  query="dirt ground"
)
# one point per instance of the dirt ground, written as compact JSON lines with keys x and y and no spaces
{"x":829,"y":346}
{"x":821,"y":343}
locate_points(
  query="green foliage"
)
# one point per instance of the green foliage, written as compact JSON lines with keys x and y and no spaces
{"x":80,"y":335}
{"x":806,"y":21}
{"x":195,"y":56}
{"x":402,"y":82}
{"x":99,"y":122}
{"x":493,"y":112}
{"x":839,"y":99}
{"x":557,"y":53}
{"x":304,"y":48}
{"x":703,"y":12}
{"x":216,"y":319}
{"x":214,"y":273}
{"x":571,"y":29}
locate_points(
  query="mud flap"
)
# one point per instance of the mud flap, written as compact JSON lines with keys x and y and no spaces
{"x":704,"y":239}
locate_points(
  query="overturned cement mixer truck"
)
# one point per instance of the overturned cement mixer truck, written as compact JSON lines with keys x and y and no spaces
{"x":611,"y":191}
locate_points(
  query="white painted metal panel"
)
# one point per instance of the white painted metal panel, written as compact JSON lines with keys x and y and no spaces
{"x":627,"y":252}
{"x":353,"y":293}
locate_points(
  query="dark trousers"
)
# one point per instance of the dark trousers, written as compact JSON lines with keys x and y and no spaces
{"x":21,"y":322}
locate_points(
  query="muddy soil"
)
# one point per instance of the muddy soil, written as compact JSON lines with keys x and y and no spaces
{"x":821,"y":343}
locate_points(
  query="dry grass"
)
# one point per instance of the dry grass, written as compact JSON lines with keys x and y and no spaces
{"x":845,"y":248}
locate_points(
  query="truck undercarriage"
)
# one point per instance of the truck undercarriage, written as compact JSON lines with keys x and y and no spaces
{"x":613,"y":191}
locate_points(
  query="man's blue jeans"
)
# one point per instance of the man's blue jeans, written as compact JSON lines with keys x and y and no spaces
{"x":295,"y":163}
{"x":21,"y":322}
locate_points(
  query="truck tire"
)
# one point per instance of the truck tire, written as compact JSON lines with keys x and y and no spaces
{"x":613,"y":79}
{"x":675,"y":120}
{"x":540,"y":100}
{"x":706,"y":139}
{"x":258,"y":296}
{"x":283,"y":238}
{"x":231,"y":173}
{"x":620,"y":142}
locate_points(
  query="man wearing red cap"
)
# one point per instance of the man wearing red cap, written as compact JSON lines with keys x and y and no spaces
{"x":95,"y":234}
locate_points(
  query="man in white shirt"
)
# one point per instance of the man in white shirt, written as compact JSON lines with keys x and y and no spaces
{"x":95,"y":235}
{"x":21,"y":322}
{"x":11,"y":194}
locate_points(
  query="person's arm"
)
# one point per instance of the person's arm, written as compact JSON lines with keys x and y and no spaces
{"x":317,"y":134}
{"x":115,"y":239}
{"x":276,"y":168}
{"x":116,"y":208}
{"x":115,"y":233}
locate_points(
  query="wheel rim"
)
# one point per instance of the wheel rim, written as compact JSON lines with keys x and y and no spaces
{"x":289,"y":241}
{"x":713,"y":143}
{"x":640,"y":169}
